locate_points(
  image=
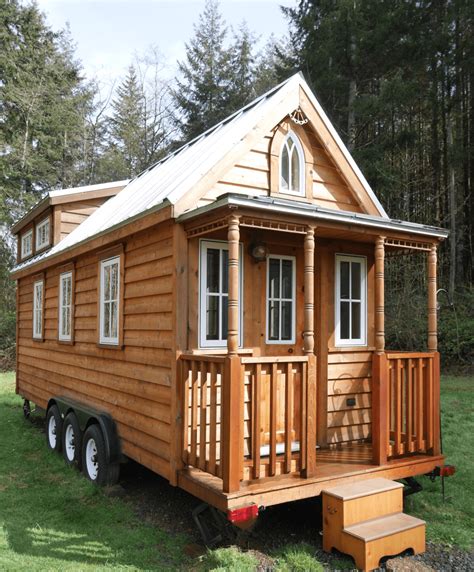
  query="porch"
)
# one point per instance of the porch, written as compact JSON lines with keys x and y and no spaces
{"x":248,"y":424}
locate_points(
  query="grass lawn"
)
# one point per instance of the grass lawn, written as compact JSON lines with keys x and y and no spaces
{"x":52,"y":518}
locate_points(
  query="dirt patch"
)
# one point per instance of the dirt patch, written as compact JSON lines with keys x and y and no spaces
{"x":156,"y":502}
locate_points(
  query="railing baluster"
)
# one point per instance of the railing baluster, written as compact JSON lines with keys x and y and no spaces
{"x":419,"y":407}
{"x":398,"y":407}
{"x":429,"y":403}
{"x":212,"y":419}
{"x":203,"y":417}
{"x":256,"y":444}
{"x":273,"y":417}
{"x":288,"y":415}
{"x":303,"y":411}
{"x":185,"y":409}
{"x":194,"y":413}
{"x":409,"y":422}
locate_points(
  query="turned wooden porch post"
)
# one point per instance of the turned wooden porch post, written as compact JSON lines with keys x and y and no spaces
{"x":309,"y":463}
{"x":433,"y":345}
{"x":379,"y":368}
{"x":432,"y":311}
{"x":232,"y":421}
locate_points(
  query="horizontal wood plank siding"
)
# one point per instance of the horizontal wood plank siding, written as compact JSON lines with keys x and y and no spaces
{"x":133,"y":384}
{"x":349,"y":378}
{"x":74,"y":213}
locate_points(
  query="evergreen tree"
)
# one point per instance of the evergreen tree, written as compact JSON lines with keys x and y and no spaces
{"x":128,"y":127}
{"x":41,"y":95}
{"x":201,"y":94}
{"x":241,"y":88}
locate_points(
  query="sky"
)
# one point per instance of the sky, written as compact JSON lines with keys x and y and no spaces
{"x":108,"y":33}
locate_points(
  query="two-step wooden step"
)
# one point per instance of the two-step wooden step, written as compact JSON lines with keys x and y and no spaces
{"x":365,"y":519}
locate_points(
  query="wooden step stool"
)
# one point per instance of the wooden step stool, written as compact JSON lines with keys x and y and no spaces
{"x":366,"y":520}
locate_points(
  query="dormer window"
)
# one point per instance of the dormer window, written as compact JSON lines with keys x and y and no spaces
{"x":27,"y":244}
{"x":42,"y":234}
{"x":292,"y":166}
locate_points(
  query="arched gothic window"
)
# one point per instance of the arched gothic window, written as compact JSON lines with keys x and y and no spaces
{"x":292,"y":166}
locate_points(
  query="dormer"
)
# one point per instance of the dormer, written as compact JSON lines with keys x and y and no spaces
{"x":58,"y":214}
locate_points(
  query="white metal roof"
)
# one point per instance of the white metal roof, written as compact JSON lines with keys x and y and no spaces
{"x":88,"y":188}
{"x":170,"y":179}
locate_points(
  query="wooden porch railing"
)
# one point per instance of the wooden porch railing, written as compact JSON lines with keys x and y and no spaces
{"x":276,"y":391}
{"x":406,"y":404}
{"x":263,"y":427}
{"x":201,"y":384}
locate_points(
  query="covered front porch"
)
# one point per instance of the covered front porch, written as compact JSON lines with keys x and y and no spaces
{"x":250,"y":418}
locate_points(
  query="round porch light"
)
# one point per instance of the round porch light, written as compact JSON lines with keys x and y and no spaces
{"x":259,"y":252}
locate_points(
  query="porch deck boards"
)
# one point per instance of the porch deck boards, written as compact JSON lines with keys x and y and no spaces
{"x":334,"y":467}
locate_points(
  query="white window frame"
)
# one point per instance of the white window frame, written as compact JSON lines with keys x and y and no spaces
{"x":40,"y":245}
{"x":302,"y":171}
{"x":62,"y":278}
{"x":109,"y":340}
{"x":221,"y":245}
{"x":28,"y":234}
{"x":280,"y":341}
{"x":38,"y":310}
{"x":362,"y":341}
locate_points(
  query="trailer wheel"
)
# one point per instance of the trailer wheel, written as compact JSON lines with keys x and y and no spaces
{"x":54,"y":425}
{"x":94,"y":458}
{"x":72,"y":438}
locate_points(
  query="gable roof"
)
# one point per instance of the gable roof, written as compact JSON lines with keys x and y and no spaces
{"x":196,"y":165}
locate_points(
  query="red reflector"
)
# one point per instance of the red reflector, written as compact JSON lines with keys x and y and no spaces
{"x":242,"y":514}
{"x":447,"y":470}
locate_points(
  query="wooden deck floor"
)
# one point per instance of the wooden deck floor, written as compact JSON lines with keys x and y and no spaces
{"x":334,"y":467}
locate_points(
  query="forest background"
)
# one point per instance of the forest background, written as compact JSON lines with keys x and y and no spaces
{"x":396,"y":78}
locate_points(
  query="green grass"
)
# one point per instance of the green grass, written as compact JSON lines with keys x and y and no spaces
{"x":452,"y":522}
{"x":52,"y":518}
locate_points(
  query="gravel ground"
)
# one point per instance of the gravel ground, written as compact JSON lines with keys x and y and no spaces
{"x":169,"y":508}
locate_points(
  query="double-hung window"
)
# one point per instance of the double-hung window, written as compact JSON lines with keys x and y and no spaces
{"x":27,"y":244}
{"x":281,"y":300}
{"x":65,"y":306}
{"x":42,"y":234}
{"x":38,"y":304}
{"x":109,"y":301}
{"x":214,"y":294}
{"x":351,"y":300}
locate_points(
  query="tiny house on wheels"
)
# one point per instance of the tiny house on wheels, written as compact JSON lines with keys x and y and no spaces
{"x":220,"y":320}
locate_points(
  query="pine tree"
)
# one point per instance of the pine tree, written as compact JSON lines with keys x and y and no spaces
{"x":128,"y":127}
{"x":41,"y":95}
{"x":241,"y":88}
{"x":201,"y":94}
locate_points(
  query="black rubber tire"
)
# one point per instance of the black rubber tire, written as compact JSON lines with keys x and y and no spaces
{"x":54,"y":417}
{"x":96,"y":468}
{"x":72,"y":422}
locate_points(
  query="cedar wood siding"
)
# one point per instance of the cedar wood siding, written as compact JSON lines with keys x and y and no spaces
{"x":73,"y":213}
{"x":133,"y":384}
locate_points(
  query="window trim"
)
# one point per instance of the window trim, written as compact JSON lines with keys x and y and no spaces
{"x":38,"y":226}
{"x":302,"y":164}
{"x":292,"y":341}
{"x":38,"y":337}
{"x":116,"y":341}
{"x":61,"y":337}
{"x":24,"y":255}
{"x":223,"y":245}
{"x":362,"y":341}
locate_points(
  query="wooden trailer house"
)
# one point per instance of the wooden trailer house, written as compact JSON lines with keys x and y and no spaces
{"x":220,"y":319}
